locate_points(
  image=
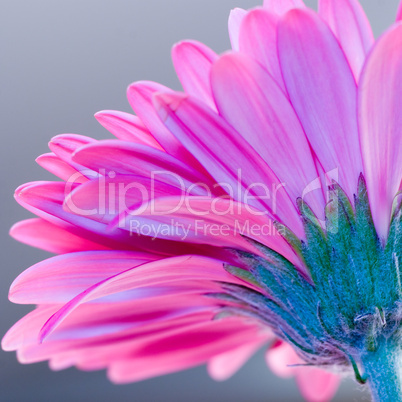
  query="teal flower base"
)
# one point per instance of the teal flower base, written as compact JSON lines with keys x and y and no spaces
{"x":383,"y":370}
{"x":346,"y":311}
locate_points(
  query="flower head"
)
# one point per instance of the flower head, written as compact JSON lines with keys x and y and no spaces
{"x":260,"y":205}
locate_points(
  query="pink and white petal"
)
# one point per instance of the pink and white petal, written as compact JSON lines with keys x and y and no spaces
{"x":240,"y":170}
{"x":223,"y":366}
{"x":282,"y":6}
{"x":126,"y":127}
{"x":316,"y":385}
{"x":47,"y":236}
{"x":380,"y":121}
{"x":258,"y":40}
{"x":322,"y":90}
{"x":235,"y":20}
{"x":350,"y":25}
{"x":193,"y":61}
{"x":254,"y":105}
{"x":53,"y":164}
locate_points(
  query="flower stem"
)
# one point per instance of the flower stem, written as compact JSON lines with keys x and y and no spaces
{"x":383,"y":370}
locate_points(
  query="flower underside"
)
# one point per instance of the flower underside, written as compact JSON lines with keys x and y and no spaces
{"x":350,"y":305}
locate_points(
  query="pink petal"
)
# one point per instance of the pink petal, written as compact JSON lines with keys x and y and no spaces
{"x":205,"y":135}
{"x":235,"y":19}
{"x":223,"y":366}
{"x":170,"y":340}
{"x":380,"y":122}
{"x":126,"y":127}
{"x":60,"y":168}
{"x":193,"y":61}
{"x":140,"y":98}
{"x":280,"y":357}
{"x":145,"y":315}
{"x":153,"y":273}
{"x":181,"y":351}
{"x":399,"y":12}
{"x":282,"y":6}
{"x":349,"y":23}
{"x":316,"y":385}
{"x":25,"y":331}
{"x":258,"y":40}
{"x":46,"y":236}
{"x":322,"y":90}
{"x":253,"y":104}
{"x":59,"y":279}
{"x":64,"y":145}
{"x":45,"y":199}
{"x":143,"y":312}
{"x":99,"y":329}
{"x":111,"y":198}
{"x":120,"y":157}
{"x":130,"y":351}
{"x":214,"y":221}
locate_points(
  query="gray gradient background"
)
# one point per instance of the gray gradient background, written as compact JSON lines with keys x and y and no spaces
{"x":62,"y":61}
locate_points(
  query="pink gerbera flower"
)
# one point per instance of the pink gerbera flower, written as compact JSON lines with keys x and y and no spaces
{"x":260,"y":207}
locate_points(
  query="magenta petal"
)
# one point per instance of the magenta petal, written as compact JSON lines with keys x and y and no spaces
{"x":322,"y":90}
{"x":235,"y":21}
{"x":258,"y":39}
{"x":380,"y":122}
{"x":193,"y":61}
{"x":349,"y":23}
{"x":282,"y":6}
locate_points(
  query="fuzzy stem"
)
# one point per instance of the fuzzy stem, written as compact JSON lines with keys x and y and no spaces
{"x":383,"y":369}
